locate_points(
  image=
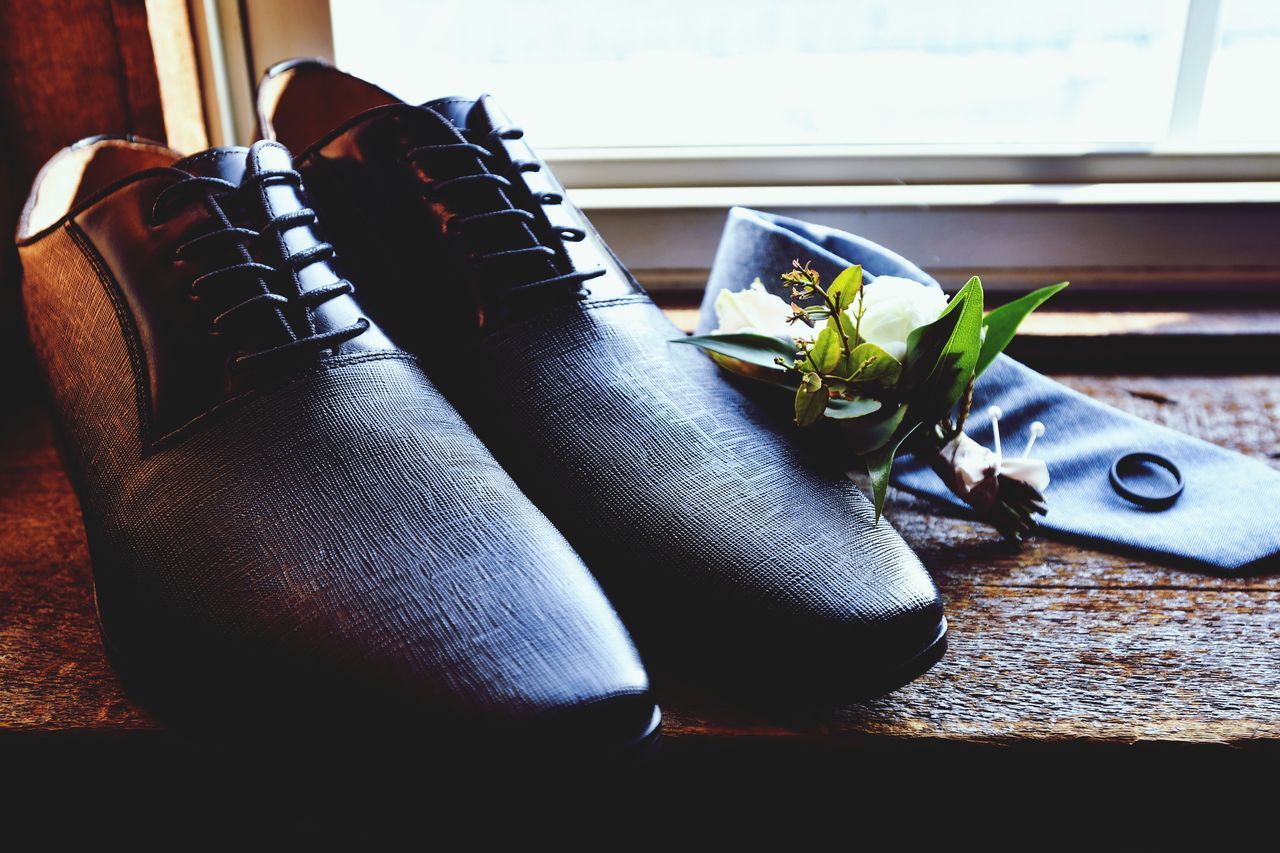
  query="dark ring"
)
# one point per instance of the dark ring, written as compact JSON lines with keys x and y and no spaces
{"x":1148,"y":501}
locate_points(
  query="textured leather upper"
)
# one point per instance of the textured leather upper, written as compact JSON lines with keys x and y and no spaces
{"x":697,"y":512}
{"x":187,"y":370}
{"x":333,"y":535}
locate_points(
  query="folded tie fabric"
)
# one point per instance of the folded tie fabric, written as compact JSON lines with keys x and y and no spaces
{"x":1223,"y":520}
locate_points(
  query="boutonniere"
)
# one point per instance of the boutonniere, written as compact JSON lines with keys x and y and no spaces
{"x":891,"y":367}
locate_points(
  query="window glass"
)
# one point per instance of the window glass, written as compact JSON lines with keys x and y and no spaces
{"x":1242,"y":92}
{"x":601,"y":73}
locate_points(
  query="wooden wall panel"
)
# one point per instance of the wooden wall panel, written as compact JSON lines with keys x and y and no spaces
{"x":181,"y":98}
{"x":68,"y":69}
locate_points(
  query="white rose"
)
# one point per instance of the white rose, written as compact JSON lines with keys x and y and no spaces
{"x":893,"y":307}
{"x":753,"y":310}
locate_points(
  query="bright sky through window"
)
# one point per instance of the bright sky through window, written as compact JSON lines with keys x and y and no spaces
{"x":608,"y":73}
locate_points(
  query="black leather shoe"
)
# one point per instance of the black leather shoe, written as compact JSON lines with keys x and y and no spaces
{"x":287,"y":521}
{"x":711,"y":533}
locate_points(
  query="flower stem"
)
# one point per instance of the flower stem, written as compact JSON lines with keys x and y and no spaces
{"x":857,"y":317}
{"x":834,"y":310}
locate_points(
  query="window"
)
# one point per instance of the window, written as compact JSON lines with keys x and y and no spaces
{"x":1243,"y":77}
{"x":1124,"y":139}
{"x":671,"y":73}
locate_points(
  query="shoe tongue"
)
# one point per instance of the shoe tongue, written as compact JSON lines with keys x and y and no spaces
{"x":226,"y":163}
{"x":266,"y":155}
{"x":255,"y":209}
{"x":486,"y":116}
{"x":233,"y":162}
{"x":478,"y":116}
{"x":453,"y":110}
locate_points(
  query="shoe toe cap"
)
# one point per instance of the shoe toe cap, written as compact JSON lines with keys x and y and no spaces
{"x":343,"y":561}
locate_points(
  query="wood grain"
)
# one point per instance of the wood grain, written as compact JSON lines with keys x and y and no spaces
{"x":177,"y":75}
{"x":76,"y":68}
{"x":1049,"y":643}
{"x":54,"y":674}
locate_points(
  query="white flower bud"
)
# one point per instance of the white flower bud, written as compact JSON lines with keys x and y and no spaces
{"x":1033,"y":472}
{"x":971,"y":463}
{"x":893,"y":307}
{"x":753,"y":310}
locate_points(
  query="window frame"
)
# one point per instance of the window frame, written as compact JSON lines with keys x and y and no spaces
{"x":1118,"y":220}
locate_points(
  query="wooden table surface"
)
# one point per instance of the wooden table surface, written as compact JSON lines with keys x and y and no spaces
{"x":1049,"y":643}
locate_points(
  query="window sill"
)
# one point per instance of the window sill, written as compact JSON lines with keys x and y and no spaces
{"x":697,"y":166}
{"x":1113,"y":238}
{"x":1095,"y":333}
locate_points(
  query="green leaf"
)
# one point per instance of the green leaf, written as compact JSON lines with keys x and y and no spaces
{"x":880,"y":467}
{"x":827,"y":349}
{"x":1003,"y":322}
{"x":760,"y":350}
{"x":772,"y":375}
{"x":871,"y":432}
{"x":941,"y":355}
{"x":840,"y":409}
{"x":873,"y":364}
{"x":750,"y":355}
{"x":846,"y":287}
{"x":926,"y":345}
{"x":809,"y":405}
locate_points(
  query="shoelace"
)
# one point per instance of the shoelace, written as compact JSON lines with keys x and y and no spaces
{"x":199,"y":188}
{"x":484,"y":156}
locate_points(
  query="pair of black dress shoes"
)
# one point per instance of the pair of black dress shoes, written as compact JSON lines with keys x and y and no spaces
{"x":402,"y":505}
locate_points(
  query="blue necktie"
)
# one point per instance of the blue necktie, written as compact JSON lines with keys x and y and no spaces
{"x":1228,"y":517}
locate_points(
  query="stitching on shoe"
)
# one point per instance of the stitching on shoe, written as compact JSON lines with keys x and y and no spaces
{"x":324,"y":365}
{"x":452,"y":101}
{"x":617,"y":300}
{"x":268,"y":143}
{"x":148,"y":441}
{"x":216,"y":154}
{"x":128,"y":329}
{"x":537,"y":316}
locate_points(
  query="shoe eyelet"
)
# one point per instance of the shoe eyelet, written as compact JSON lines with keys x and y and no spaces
{"x":572,"y":235}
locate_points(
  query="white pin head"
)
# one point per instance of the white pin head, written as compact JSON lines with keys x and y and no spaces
{"x":995,"y":412}
{"x":1037,"y":430}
